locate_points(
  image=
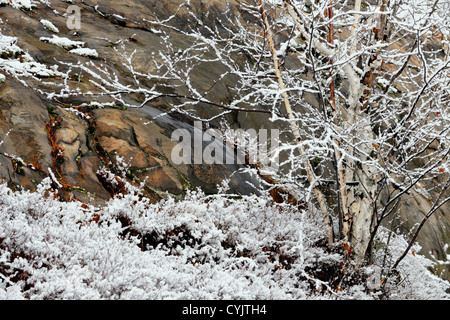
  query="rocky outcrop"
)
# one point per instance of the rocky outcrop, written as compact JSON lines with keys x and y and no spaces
{"x":74,"y":143}
{"x":74,"y":138}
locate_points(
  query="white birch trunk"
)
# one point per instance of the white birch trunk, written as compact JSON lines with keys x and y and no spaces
{"x":357,"y":203}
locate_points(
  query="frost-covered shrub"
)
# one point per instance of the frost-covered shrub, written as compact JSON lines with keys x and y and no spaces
{"x":204,"y":247}
{"x":412,"y":278}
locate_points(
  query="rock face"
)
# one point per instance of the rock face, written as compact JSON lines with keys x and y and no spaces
{"x":75,"y":144}
{"x":73,"y":138}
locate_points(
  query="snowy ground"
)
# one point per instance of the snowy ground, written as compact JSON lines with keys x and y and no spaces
{"x":199,"y":248}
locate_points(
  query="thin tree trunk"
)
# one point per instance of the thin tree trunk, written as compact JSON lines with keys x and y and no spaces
{"x":320,"y":197}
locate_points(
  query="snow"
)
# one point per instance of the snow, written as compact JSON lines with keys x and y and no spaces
{"x":19,"y":4}
{"x":204,"y":247}
{"x":49,"y":25}
{"x":8,"y":45}
{"x":18,"y":63}
{"x":63,"y":42}
{"x":413,"y":270}
{"x":76,"y":47}
{"x":85,"y":52}
{"x":77,"y":259}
